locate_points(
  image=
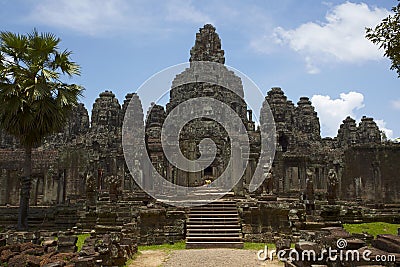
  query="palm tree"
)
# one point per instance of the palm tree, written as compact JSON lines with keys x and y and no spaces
{"x":34,"y":102}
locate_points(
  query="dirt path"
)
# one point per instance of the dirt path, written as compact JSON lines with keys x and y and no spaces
{"x":201,"y":258}
{"x":150,"y":258}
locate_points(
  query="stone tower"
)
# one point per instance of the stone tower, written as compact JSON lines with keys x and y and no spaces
{"x":368,"y":131}
{"x":207,"y":46}
{"x":347,"y":133}
{"x":307,"y":122}
{"x":106,"y":113}
{"x":283,"y":111}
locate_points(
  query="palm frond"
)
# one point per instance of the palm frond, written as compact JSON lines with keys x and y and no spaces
{"x":62,"y":61}
{"x":13,"y":45}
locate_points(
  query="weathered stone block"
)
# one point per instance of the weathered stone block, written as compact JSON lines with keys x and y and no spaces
{"x":54,"y":264}
{"x":353,"y":244}
{"x":388,"y":243}
{"x":85,"y":262}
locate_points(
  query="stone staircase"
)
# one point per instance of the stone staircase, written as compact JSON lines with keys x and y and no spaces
{"x":215,"y":225}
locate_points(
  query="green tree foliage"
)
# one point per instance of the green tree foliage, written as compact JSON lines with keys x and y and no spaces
{"x":34,"y":101}
{"x":387,"y":36}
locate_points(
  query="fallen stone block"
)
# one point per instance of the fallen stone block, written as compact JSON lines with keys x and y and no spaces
{"x":388,"y":243}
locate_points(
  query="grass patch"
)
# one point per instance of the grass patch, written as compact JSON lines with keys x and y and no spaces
{"x":258,"y":246}
{"x":81,"y":240}
{"x":176,"y":246}
{"x":374,"y":228}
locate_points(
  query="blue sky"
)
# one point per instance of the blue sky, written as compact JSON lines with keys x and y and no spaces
{"x":308,"y":48}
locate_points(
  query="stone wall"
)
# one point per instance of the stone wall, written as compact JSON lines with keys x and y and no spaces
{"x":161,"y":225}
{"x":45,"y":186}
{"x":377,"y":168}
{"x":261,"y":221}
{"x":58,"y":217}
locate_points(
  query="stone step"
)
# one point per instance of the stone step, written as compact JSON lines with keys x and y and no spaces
{"x":221,"y":216}
{"x":190,"y":232}
{"x":208,"y":226}
{"x":215,"y":205}
{"x":216,"y":230}
{"x":230,"y":244}
{"x":216,"y":233}
{"x":213,"y":222}
{"x":211,"y":217}
{"x":215,"y":225}
{"x":213,"y":211}
{"x":221,"y":203}
{"x":214,"y":238}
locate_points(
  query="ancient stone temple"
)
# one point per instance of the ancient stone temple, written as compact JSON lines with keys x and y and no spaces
{"x":81,"y":182}
{"x":86,"y":161}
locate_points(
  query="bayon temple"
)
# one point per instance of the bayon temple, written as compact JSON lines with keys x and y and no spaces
{"x":81,"y":180}
{"x":88,"y":152}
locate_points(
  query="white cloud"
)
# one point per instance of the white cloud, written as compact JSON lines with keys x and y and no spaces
{"x":333,"y":111}
{"x":87,"y":16}
{"x":102,"y":17}
{"x":382,"y":126}
{"x":183,"y":10}
{"x":396,"y":104}
{"x":310,"y":66}
{"x":341,"y":38}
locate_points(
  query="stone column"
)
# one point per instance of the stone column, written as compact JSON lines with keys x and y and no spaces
{"x":3,"y":187}
{"x":236,"y":164}
{"x":357,"y":182}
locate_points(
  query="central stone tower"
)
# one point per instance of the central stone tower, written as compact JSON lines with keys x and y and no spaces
{"x":207,"y":47}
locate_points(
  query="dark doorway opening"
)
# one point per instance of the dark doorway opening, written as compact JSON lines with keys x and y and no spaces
{"x":208,"y":171}
{"x":283,"y":142}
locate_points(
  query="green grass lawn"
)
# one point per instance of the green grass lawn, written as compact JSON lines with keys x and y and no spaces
{"x":258,"y":246}
{"x":374,"y":228}
{"x":175,"y":246}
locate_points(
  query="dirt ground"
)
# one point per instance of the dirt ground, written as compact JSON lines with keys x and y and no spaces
{"x":201,"y":258}
{"x":150,"y":258}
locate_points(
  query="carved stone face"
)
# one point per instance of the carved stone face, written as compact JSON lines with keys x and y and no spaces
{"x":307,"y":125}
{"x":279,"y":115}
